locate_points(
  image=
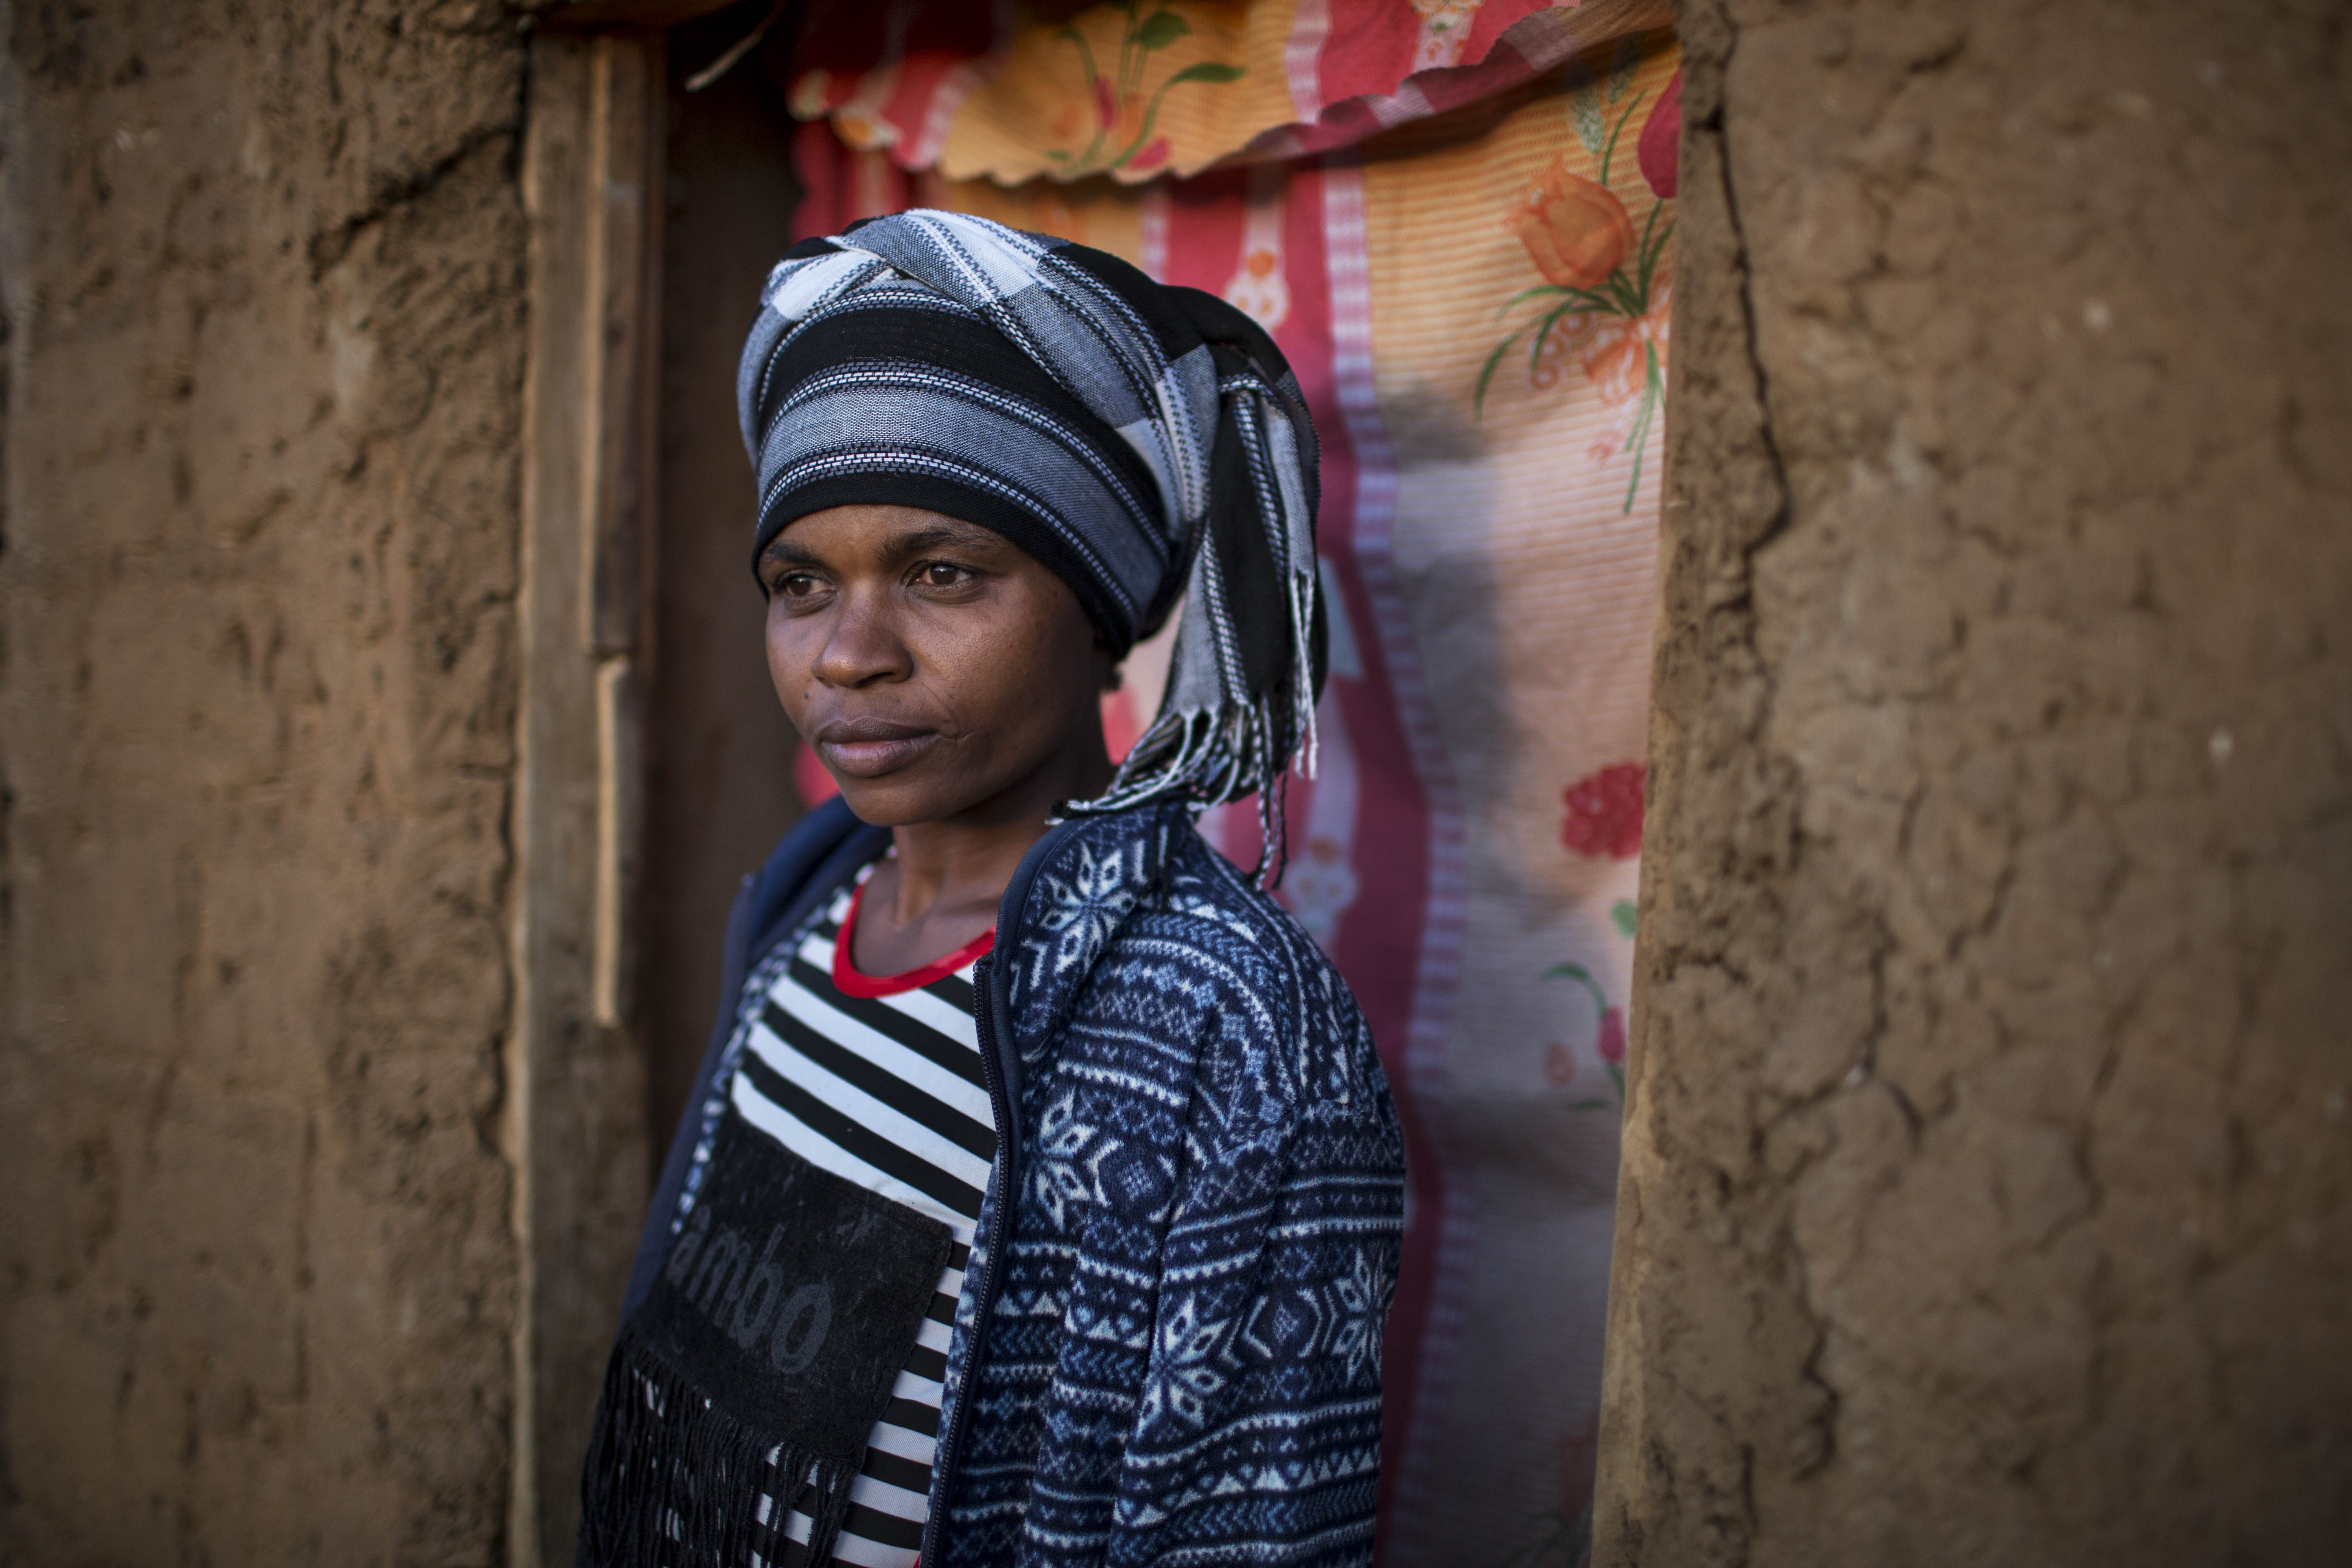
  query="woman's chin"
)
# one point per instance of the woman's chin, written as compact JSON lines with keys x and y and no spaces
{"x":895,"y":800}
{"x":896,"y":784}
{"x":925,"y":793}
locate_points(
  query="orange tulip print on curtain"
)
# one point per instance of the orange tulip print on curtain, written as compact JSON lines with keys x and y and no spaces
{"x":1601,"y":305}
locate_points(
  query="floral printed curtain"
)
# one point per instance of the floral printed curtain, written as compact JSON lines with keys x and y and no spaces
{"x":1456,"y":217}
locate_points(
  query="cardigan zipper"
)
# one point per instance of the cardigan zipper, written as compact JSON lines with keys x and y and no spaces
{"x":1008,"y":1144}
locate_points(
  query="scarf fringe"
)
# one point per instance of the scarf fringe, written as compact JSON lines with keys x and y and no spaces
{"x":1240,"y":744}
{"x":672,"y":1479}
{"x":1213,"y":756}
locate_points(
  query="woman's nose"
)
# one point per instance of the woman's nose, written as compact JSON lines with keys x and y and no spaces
{"x":863,"y":645}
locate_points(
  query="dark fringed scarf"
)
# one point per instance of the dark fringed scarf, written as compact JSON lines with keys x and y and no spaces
{"x":1147,"y":443}
{"x":680,"y":1475}
{"x":757,"y":1364}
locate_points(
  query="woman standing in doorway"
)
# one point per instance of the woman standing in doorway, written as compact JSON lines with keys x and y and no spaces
{"x":1040,"y":1199}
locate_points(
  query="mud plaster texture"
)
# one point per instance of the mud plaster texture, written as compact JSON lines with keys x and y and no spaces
{"x":1988,"y":1180}
{"x":263,"y":298}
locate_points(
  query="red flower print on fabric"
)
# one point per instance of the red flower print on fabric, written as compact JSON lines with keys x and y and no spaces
{"x":1659,"y":151}
{"x":1604,"y":813}
{"x":1610,"y":1045}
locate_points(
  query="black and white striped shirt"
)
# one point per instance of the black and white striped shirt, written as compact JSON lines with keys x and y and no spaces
{"x":878,"y":1081}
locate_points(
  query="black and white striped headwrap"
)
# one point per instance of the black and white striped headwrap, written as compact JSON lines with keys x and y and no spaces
{"x":1147,"y":443}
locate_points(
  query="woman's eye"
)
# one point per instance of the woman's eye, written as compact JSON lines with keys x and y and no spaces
{"x":941,"y":574}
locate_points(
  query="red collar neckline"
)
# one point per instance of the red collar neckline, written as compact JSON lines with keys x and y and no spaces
{"x":850,"y":981}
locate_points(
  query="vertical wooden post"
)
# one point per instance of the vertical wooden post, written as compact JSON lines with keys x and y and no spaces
{"x":621,"y":378}
{"x":575,"y":1097}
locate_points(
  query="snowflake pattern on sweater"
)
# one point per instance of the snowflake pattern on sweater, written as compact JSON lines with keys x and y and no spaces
{"x":1181,"y":1359}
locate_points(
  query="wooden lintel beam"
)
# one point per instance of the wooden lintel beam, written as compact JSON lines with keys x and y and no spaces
{"x":605,"y":14}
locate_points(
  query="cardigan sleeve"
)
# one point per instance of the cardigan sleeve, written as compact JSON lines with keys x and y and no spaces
{"x":1215,"y":1392}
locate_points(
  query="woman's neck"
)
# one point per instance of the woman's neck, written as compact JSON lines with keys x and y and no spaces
{"x":941,"y":886}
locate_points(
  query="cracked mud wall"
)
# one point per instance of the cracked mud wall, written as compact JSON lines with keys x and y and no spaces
{"x":263,"y":275}
{"x":1987,"y":1178}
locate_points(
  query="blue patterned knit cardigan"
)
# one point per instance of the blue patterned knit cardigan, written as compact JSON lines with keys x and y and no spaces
{"x":1168,"y":1349}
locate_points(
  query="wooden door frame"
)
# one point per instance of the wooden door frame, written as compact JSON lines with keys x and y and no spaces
{"x":574,"y":1126}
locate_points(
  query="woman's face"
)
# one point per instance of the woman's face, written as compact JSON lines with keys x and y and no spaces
{"x":938,"y":672}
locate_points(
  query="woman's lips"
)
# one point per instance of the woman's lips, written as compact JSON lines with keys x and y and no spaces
{"x":868,"y":748}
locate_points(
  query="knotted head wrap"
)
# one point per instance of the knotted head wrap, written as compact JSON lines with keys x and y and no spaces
{"x":1147,"y":444}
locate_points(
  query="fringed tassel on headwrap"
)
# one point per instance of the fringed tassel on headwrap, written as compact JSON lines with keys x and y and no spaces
{"x":673,"y":1480}
{"x":1227,"y":729}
